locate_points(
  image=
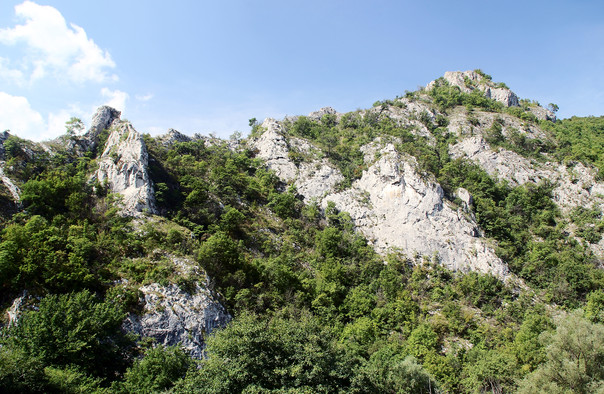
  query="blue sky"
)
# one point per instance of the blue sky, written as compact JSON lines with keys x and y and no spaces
{"x":209,"y":66}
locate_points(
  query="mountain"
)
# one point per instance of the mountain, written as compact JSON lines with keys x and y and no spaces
{"x":444,"y":240}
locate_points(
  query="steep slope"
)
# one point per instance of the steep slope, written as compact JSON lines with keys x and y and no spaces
{"x":435,"y":241}
{"x":123,"y":166}
{"x":391,"y":204}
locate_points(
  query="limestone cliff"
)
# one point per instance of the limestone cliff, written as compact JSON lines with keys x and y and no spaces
{"x":102,"y":120}
{"x":123,"y":167}
{"x":391,"y":204}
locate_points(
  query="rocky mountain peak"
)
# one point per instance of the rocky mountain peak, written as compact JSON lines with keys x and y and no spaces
{"x":173,"y":136}
{"x":317,"y":115}
{"x":468,"y":81}
{"x":102,"y":119}
{"x":123,"y":165}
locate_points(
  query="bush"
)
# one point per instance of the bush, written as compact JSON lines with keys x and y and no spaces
{"x":73,"y":330}
{"x":157,"y":371}
{"x":261,"y":355}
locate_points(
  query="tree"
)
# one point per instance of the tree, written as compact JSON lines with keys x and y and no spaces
{"x":74,"y":126}
{"x":256,"y":354}
{"x":553,"y":107}
{"x":19,"y":372}
{"x":75,"y":330}
{"x":489,"y":371}
{"x":594,"y":309}
{"x":389,"y":370}
{"x":529,"y":351}
{"x":158,"y":371}
{"x":575,"y":359}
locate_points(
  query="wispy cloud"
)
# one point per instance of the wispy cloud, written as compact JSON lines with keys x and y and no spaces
{"x":144,"y":97}
{"x":52,"y":48}
{"x":10,"y":74}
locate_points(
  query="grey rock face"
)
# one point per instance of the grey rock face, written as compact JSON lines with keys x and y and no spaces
{"x":461,"y":126}
{"x":172,"y":137}
{"x":407,"y":115}
{"x":14,"y":189}
{"x":503,"y":95}
{"x":123,"y":165}
{"x":173,"y":316}
{"x":391,"y":205}
{"x":312,"y":179}
{"x":317,"y":115}
{"x":574,"y":185}
{"x":542,"y":113}
{"x":272,"y":146}
{"x":467,"y":81}
{"x":465,"y":197}
{"x":16,"y":308}
{"x":103,"y":118}
{"x":3,"y":137}
{"x":395,"y":208}
{"x":25,"y":302}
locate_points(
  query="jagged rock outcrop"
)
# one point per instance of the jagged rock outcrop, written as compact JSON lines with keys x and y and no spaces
{"x":575,"y":186}
{"x":10,"y":185}
{"x":464,"y":123}
{"x":542,"y":113}
{"x":23,"y":303}
{"x":317,"y":115}
{"x":173,"y":316}
{"x":12,"y":188}
{"x":467,"y":81}
{"x":391,"y":205}
{"x":503,"y":95}
{"x":172,"y":137}
{"x":103,"y":119}
{"x":123,"y":166}
{"x":395,"y":208}
{"x":312,"y":179}
{"x":3,"y":137}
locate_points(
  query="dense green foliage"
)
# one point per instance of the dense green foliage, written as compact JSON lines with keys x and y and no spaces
{"x":529,"y":230}
{"x":530,"y":233}
{"x":574,"y":361}
{"x":580,"y":139}
{"x":315,"y":308}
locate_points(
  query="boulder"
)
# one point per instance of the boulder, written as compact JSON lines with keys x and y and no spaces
{"x":173,"y":316}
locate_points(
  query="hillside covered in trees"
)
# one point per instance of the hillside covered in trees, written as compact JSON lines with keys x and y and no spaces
{"x":447,"y":240}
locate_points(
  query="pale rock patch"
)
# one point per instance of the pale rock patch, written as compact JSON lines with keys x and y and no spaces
{"x":173,"y":316}
{"x":123,"y":166}
{"x":392,"y":205}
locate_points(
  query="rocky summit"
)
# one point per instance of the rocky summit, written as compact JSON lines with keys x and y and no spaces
{"x":445,"y":240}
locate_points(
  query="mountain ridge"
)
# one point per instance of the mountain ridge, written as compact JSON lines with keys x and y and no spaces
{"x":421,"y":231}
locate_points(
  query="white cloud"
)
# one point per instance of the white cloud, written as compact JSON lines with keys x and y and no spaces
{"x":17,"y":116}
{"x":53,"y":48}
{"x":10,"y":74}
{"x":115,"y":98}
{"x":144,"y":97}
